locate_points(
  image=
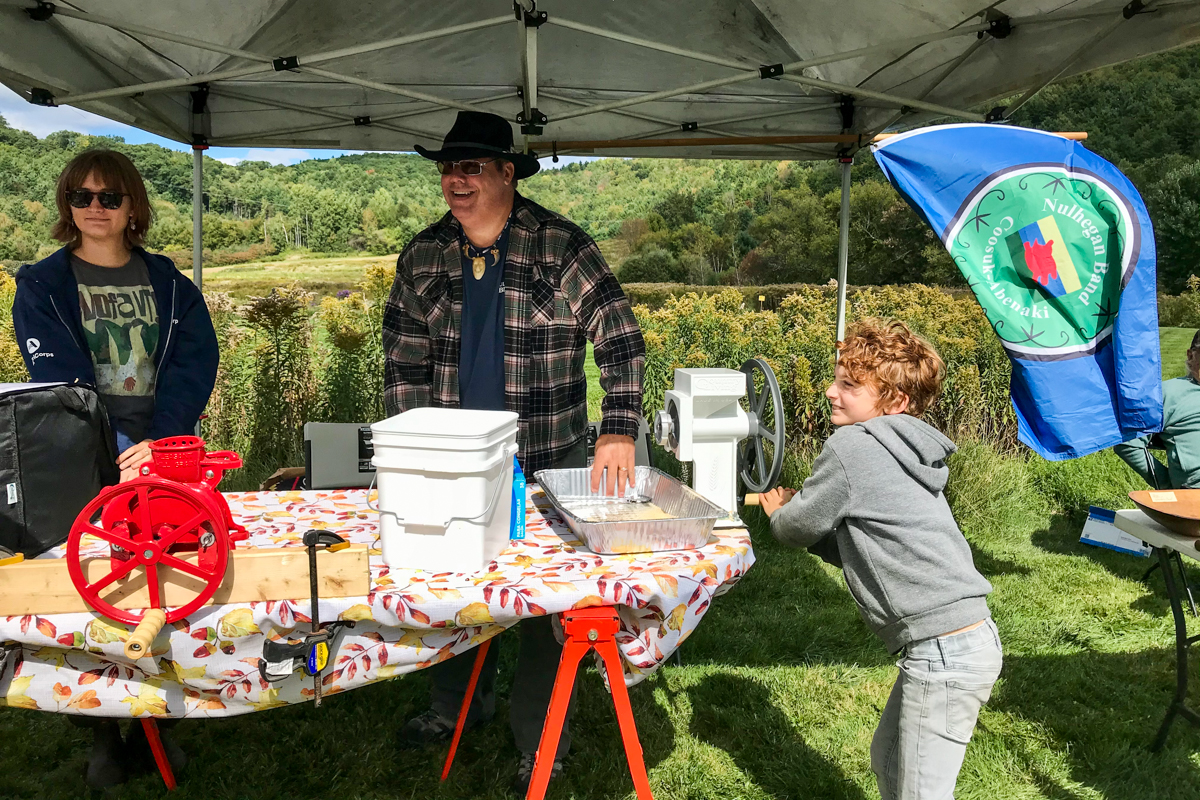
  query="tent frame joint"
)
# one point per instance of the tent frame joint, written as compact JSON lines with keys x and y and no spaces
{"x":1134,"y":8}
{"x":997,"y":114}
{"x":846,"y":109}
{"x":285,"y":63}
{"x":363,"y":120}
{"x":42,"y":97}
{"x":689,"y":126}
{"x":999,"y":25}
{"x":533,"y":124}
{"x":42,"y":13}
{"x":770,"y":71}
{"x":531,"y":17}
{"x":199,"y":97}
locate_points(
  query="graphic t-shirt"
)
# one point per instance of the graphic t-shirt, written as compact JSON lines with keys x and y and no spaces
{"x":120,"y":323}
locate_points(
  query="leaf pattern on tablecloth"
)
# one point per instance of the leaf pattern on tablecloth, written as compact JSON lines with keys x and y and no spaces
{"x":207,"y":665}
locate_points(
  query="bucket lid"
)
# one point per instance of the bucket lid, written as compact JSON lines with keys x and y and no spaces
{"x":448,"y":423}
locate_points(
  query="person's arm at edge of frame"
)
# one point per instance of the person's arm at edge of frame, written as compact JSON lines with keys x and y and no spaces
{"x":408,"y":366}
{"x":600,"y":305}
{"x":1136,"y":453}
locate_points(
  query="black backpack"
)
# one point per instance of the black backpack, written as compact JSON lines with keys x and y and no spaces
{"x":56,"y":453}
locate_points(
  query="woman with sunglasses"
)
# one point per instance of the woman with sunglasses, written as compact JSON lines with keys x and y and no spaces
{"x":104,"y":312}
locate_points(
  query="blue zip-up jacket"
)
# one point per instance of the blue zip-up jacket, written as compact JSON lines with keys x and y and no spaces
{"x":49,"y":330}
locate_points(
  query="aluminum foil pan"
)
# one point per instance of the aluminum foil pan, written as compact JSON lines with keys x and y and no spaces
{"x":659,"y":514}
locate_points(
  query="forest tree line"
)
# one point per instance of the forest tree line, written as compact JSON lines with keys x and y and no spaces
{"x":702,"y":222}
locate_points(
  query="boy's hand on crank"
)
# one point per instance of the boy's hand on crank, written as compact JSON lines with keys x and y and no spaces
{"x":775,"y":499}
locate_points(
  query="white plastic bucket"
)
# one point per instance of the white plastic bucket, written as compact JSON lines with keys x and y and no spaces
{"x":445,"y":487}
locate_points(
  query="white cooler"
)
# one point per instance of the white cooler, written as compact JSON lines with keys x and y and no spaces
{"x":445,"y":487}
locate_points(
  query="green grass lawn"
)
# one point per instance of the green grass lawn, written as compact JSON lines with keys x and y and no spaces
{"x":780,"y":689}
{"x":1174,"y":343}
{"x":324,"y":275}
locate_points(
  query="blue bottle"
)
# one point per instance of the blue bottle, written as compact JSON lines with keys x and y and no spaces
{"x":516,"y":527}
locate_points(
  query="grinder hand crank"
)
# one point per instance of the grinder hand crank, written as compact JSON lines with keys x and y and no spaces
{"x":703,"y":421}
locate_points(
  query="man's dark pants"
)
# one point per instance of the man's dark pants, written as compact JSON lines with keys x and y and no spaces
{"x":533,"y":681}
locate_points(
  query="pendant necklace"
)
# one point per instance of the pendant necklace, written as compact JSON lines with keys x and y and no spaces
{"x":479,"y":257}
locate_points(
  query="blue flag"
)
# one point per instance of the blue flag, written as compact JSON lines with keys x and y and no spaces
{"x":1058,"y":248}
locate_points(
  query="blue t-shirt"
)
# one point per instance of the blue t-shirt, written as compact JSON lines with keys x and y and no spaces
{"x":481,"y":355}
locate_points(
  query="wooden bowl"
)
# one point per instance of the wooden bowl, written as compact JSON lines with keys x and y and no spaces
{"x":1177,"y":510}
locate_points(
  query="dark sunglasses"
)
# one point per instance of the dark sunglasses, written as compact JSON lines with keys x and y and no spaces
{"x":471,"y":167}
{"x":82,"y":198}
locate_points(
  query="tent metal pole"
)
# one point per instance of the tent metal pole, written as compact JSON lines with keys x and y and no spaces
{"x":727,"y":62}
{"x":316,"y":58}
{"x":414,"y":38}
{"x":1064,"y":65}
{"x":267,"y":61}
{"x":529,"y":20}
{"x":788,"y":71}
{"x":198,"y":217}
{"x":342,"y":120}
{"x":672,"y":127}
{"x":80,"y":48}
{"x":162,"y":86}
{"x":858,"y":92}
{"x":942,"y":76}
{"x":843,"y":248}
{"x":386,"y":87}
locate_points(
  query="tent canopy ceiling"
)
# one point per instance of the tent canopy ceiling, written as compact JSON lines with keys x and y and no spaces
{"x":384,"y":74}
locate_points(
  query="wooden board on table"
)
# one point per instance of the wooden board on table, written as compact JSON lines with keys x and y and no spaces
{"x":43,"y":586}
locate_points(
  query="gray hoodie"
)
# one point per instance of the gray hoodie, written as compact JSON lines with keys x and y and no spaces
{"x":874,"y":506}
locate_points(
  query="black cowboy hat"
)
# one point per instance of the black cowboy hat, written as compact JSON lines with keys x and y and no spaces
{"x":477,"y":134}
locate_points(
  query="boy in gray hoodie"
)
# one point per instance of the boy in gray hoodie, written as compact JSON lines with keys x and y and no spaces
{"x":874,"y":506}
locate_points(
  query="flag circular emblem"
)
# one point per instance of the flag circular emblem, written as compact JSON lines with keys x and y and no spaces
{"x":32,"y":345}
{"x":1047,"y":249}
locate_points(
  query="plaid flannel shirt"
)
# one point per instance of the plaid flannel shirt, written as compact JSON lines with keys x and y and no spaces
{"x":558,"y":294}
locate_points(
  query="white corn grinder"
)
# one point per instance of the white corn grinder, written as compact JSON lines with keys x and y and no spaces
{"x":702,"y":421}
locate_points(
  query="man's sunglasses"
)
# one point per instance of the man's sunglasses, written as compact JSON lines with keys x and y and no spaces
{"x":471,"y":167}
{"x":82,"y":198}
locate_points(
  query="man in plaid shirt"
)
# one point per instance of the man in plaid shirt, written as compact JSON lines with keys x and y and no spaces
{"x":492,"y":307}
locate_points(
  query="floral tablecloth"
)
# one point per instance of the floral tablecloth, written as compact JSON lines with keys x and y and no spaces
{"x":208,"y":665}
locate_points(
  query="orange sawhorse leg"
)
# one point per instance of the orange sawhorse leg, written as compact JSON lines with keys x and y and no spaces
{"x":480,"y":655}
{"x":160,"y":755}
{"x":586,"y":629}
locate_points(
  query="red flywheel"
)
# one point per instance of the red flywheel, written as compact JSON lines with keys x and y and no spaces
{"x":153,"y":527}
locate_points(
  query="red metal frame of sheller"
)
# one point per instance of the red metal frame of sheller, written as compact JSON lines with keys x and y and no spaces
{"x":171,"y":508}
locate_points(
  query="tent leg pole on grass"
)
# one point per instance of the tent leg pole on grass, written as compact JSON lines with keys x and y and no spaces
{"x":198,"y":216}
{"x":843,"y":247}
{"x":198,"y":222}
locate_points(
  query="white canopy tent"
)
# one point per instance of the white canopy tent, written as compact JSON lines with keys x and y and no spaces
{"x":820,"y":77}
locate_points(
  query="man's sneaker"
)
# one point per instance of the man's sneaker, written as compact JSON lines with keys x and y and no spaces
{"x":525,"y":773}
{"x":428,"y":728}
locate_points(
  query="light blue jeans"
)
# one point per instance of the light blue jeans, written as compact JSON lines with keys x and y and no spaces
{"x":922,"y":737}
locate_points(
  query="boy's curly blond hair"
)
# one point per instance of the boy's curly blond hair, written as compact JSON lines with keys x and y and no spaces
{"x":888,"y":356}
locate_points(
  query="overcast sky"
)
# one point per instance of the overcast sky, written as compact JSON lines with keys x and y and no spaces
{"x":41,"y":121}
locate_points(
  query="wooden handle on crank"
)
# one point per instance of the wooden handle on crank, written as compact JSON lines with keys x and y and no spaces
{"x":751,"y":499}
{"x":138,"y":644}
